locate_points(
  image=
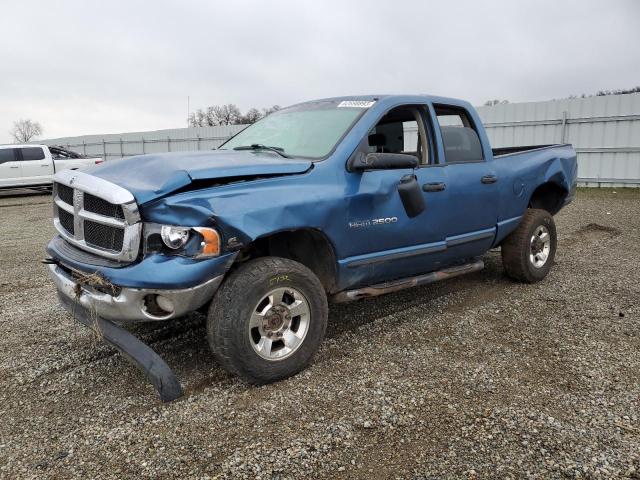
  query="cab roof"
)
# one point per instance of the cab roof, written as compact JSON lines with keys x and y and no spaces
{"x":22,"y":145}
{"x":395,"y":99}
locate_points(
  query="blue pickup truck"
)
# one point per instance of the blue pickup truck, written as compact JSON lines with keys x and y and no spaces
{"x":328,"y":200}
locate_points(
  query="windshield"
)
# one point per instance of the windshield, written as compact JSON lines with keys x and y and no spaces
{"x":310,"y":130}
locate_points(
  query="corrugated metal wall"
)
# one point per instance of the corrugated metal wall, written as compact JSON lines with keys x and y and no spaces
{"x":605,"y":132}
{"x":114,"y":146}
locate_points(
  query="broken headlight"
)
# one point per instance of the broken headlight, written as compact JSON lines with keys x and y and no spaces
{"x":195,"y":242}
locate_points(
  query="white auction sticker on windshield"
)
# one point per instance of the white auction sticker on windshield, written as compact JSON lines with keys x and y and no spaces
{"x":356,"y":103}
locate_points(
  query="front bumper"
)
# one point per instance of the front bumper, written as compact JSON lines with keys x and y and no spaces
{"x":138,"y":353}
{"x":129,"y":304}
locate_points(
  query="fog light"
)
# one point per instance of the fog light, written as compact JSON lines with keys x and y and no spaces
{"x":157,"y":306}
{"x":164,"y":303}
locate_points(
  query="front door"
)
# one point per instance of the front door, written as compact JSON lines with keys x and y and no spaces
{"x":383,"y":242}
{"x":10,"y":170}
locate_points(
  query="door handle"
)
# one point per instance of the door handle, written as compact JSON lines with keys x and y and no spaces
{"x":489,"y":179}
{"x":14,"y":166}
{"x":44,"y":164}
{"x":433,"y":187}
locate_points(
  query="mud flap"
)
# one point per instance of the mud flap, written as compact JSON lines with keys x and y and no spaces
{"x":139,"y":354}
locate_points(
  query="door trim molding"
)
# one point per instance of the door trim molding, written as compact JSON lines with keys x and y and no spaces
{"x":416,"y":250}
{"x":471,"y":237}
{"x":395,"y":254}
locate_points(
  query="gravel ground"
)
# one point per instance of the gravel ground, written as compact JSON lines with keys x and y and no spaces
{"x":477,"y":377}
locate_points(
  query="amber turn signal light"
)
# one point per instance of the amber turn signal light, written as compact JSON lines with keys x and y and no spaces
{"x":210,"y":245}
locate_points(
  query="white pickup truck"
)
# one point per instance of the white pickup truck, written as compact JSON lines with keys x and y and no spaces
{"x":32,"y":166}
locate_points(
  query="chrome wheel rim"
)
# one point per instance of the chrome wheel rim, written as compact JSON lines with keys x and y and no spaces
{"x":279,"y":323}
{"x":540,"y":246}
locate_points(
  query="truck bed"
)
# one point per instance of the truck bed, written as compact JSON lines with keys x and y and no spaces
{"x":502,"y":151}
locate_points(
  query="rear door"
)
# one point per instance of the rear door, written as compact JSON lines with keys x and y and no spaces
{"x":37,"y":165}
{"x":10,"y":169}
{"x":472,"y":203}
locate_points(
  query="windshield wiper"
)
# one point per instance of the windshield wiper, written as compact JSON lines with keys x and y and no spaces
{"x":259,"y":146}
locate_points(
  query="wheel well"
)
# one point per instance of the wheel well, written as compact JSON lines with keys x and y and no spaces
{"x":308,"y":246}
{"x":548,"y":196}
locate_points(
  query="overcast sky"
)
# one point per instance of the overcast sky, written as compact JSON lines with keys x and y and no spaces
{"x":82,"y":67}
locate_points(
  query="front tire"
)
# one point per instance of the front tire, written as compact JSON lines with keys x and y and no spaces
{"x":267,"y":320}
{"x":529,"y":251}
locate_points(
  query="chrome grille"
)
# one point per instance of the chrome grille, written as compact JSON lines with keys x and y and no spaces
{"x":96,"y":215}
{"x":66,"y":220}
{"x":103,"y":236}
{"x":102,"y":207}
{"x":66,"y":194}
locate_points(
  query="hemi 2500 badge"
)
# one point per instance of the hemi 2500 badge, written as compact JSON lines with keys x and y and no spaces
{"x":373,"y":222}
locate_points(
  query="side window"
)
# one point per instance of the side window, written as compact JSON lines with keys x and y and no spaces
{"x":60,"y":154}
{"x":7,"y":155}
{"x":460,"y":138}
{"x":401,"y":130}
{"x":32,"y":153}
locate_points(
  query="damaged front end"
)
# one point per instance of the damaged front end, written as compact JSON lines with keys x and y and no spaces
{"x":122,"y":304}
{"x":142,"y":247}
{"x":101,"y":305}
{"x":106,"y":276}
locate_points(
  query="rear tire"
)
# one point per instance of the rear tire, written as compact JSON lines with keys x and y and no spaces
{"x":267,"y":320}
{"x":529,"y":251}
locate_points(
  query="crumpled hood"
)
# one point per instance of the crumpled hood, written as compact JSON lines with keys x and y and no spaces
{"x":149,"y":177}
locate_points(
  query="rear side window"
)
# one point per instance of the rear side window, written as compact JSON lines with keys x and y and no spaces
{"x":459,"y":135}
{"x":32,"y":153}
{"x":7,"y":155}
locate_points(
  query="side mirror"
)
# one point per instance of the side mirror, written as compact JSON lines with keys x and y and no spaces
{"x":383,"y":161}
{"x":411,"y":196}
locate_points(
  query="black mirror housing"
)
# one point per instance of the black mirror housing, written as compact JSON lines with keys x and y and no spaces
{"x":383,"y":161}
{"x":411,"y":196}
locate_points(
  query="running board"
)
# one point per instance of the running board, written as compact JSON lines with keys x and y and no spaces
{"x":138,"y":353}
{"x":394,"y":286}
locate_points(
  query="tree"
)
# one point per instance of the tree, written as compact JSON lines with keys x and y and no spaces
{"x":210,"y":117}
{"x":270,"y":110}
{"x":24,"y":130}
{"x":198,"y":118}
{"x":490,"y":103}
{"x":604,"y":93}
{"x":228,"y":114}
{"x":619,"y":91}
{"x":252,"y":116}
{"x":224,"y":114}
